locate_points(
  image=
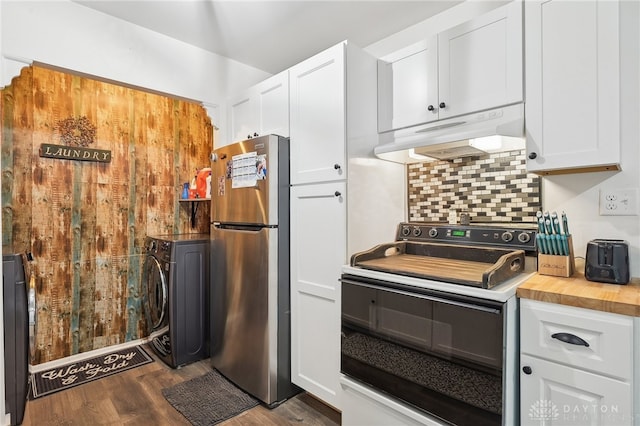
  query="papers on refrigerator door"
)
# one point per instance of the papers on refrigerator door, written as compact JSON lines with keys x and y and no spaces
{"x":247,"y":169}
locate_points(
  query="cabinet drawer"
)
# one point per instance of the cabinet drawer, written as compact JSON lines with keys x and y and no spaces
{"x":552,"y":331}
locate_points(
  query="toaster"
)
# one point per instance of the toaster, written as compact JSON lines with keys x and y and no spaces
{"x":607,"y":261}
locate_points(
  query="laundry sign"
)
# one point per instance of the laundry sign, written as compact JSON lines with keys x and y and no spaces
{"x":77,"y":133}
{"x":75,"y":153}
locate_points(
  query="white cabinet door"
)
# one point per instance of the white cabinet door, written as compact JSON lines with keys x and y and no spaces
{"x":480,"y":62}
{"x":555,"y":394}
{"x":318,"y":250}
{"x":242,"y":116}
{"x":408,"y":86}
{"x":272,"y":96}
{"x":262,"y":109}
{"x":475,"y":66}
{"x":317,"y":126}
{"x":572,"y":85}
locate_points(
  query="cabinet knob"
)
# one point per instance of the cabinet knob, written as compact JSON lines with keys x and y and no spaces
{"x":431,"y":108}
{"x":337,"y":166}
{"x":527,"y":370}
{"x":337,"y":193}
{"x":533,"y":156}
{"x":442,"y":105}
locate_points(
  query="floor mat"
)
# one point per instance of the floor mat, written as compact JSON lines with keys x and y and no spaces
{"x":208,"y":399}
{"x":74,"y":374}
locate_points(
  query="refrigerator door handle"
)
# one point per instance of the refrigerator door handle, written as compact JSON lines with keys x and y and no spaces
{"x":242,"y":227}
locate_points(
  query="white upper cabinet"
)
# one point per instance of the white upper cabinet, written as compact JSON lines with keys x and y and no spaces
{"x":318,"y":129}
{"x":480,"y":62}
{"x":273,"y":105}
{"x":408,"y":86}
{"x":260,"y":110}
{"x":572,"y":85}
{"x":472,"y":67}
{"x":242,"y":120}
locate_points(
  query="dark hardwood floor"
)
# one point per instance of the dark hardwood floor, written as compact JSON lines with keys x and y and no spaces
{"x":134,"y":397}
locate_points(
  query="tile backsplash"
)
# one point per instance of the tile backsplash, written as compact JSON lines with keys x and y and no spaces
{"x":493,"y":188}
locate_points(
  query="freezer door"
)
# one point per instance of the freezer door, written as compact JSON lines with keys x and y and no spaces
{"x":251,"y":181}
{"x":244,"y":308}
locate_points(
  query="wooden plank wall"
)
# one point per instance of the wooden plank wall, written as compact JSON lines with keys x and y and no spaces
{"x":86,"y":222}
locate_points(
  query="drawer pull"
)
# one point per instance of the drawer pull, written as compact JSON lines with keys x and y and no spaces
{"x":572,"y":339}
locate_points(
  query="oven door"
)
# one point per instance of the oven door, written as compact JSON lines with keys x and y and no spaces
{"x":442,"y":353}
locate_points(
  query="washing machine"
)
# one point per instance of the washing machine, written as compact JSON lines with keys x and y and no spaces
{"x":175,"y":281}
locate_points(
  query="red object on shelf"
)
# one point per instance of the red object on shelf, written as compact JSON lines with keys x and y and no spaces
{"x":201,"y":182}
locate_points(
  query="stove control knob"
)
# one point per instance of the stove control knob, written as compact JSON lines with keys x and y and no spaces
{"x":406,"y":231}
{"x":152,"y":245}
{"x":524,"y":238}
{"x":507,"y":236}
{"x":433,"y":232}
{"x":417,"y":231}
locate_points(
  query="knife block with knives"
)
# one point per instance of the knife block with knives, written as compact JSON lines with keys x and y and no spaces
{"x":557,"y":265}
{"x":555,"y":246}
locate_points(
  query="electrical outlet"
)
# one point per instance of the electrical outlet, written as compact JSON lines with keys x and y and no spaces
{"x":619,"y":202}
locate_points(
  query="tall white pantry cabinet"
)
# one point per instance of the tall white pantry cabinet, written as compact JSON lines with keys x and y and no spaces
{"x":343,"y":200}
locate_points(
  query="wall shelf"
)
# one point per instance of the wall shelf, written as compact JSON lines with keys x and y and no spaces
{"x":194,"y":207}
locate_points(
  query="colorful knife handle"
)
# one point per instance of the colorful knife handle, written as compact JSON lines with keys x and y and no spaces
{"x":542,"y":247}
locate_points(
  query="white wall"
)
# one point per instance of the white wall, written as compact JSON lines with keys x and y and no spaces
{"x":71,"y":36}
{"x":578,"y":194}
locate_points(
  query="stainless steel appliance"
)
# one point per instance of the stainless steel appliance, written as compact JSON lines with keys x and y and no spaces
{"x":175,"y":281}
{"x":250,"y":315}
{"x":429,"y":321}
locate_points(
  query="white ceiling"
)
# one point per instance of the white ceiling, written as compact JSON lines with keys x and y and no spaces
{"x":272,"y":35}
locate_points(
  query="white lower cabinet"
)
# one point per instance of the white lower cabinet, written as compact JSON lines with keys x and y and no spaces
{"x":576,"y":366}
{"x":318,"y":241}
{"x":561,"y":395}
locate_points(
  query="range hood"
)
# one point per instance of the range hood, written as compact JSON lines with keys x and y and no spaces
{"x":456,"y":137}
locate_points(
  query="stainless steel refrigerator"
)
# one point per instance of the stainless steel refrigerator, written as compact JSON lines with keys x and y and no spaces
{"x":250,"y":299}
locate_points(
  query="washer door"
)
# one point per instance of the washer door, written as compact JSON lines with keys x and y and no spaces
{"x":155,"y":292}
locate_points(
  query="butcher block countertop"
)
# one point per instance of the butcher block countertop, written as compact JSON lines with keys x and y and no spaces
{"x":577,"y":291}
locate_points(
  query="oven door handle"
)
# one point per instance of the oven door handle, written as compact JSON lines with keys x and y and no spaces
{"x":426,"y":297}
